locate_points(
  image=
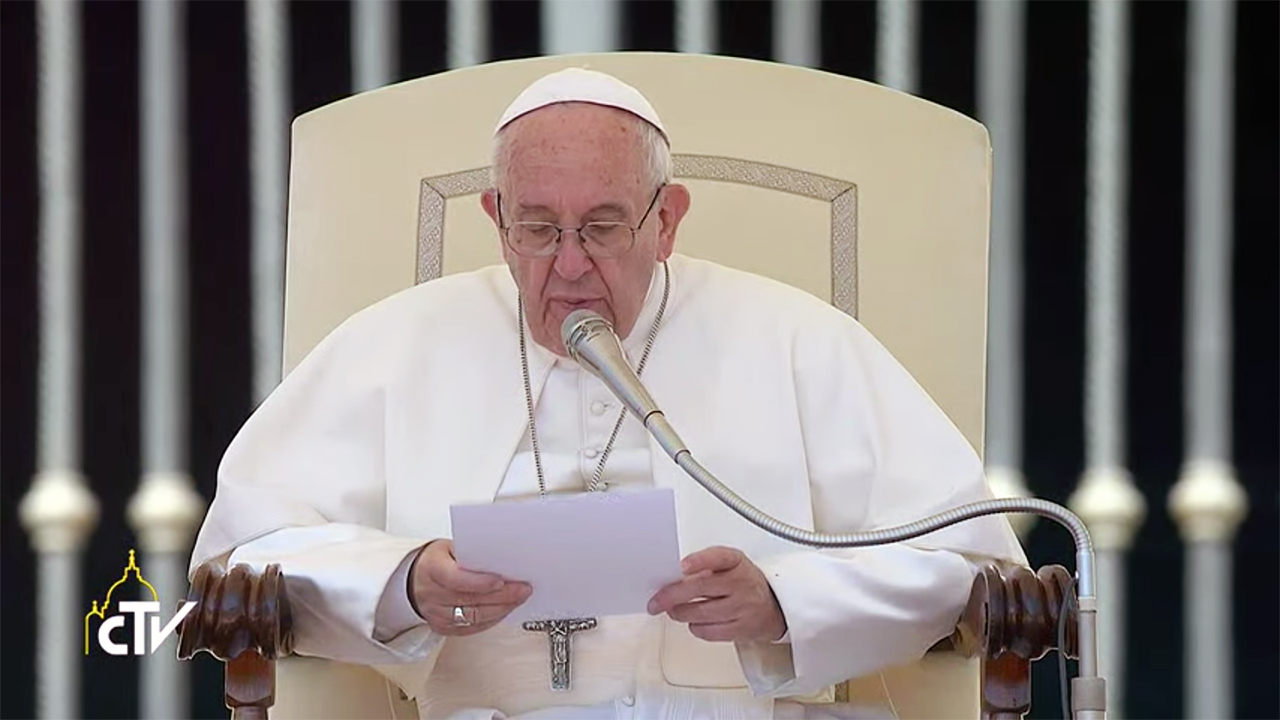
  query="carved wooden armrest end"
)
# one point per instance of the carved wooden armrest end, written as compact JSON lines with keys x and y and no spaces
{"x":1010,"y":621}
{"x":242,"y":617}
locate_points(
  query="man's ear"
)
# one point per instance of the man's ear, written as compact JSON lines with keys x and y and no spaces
{"x":489,"y":201}
{"x":675,"y":203}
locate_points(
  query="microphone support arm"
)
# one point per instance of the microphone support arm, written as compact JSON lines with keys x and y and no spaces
{"x":589,"y":339}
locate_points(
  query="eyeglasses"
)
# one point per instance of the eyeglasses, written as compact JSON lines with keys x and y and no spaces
{"x":599,"y":239}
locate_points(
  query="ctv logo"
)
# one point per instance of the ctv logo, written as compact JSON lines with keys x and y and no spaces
{"x":110,"y":641}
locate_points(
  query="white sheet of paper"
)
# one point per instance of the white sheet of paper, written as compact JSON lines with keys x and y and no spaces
{"x":587,"y":555}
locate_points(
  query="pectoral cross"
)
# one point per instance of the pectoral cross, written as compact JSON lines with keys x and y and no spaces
{"x":559,"y":633}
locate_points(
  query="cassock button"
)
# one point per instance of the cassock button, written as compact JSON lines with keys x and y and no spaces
{"x":590,"y":452}
{"x":598,"y":408}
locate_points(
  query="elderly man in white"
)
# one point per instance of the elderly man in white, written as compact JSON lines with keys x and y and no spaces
{"x":459,"y":390}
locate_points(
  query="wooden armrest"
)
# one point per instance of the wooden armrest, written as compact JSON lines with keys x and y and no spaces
{"x":1010,"y":621}
{"x":243,"y":619}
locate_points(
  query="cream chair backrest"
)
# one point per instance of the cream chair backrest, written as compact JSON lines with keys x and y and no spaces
{"x":869,"y":198}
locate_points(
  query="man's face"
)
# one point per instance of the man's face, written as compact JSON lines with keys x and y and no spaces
{"x":572,"y":164}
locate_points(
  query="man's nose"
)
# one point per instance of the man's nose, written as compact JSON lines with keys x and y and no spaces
{"x":572,"y":261}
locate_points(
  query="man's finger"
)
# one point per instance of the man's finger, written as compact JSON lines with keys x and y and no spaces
{"x":511,"y":593}
{"x":715,"y":632}
{"x":684,"y":591}
{"x":702,"y":612}
{"x":442,"y":619}
{"x":713,"y":559}
{"x":451,"y":576}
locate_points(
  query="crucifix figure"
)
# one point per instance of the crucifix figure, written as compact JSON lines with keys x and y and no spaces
{"x":559,"y":632}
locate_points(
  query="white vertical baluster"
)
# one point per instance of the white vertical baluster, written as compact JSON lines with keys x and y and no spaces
{"x":574,"y":26}
{"x":1106,"y":498}
{"x":374,"y":45}
{"x":1001,"y":84}
{"x":696,"y":26}
{"x":1207,"y":501}
{"x":166,"y":508}
{"x":796,"y":32}
{"x":897,"y":37}
{"x":468,"y":41}
{"x":59,"y":511}
{"x":269,"y":113}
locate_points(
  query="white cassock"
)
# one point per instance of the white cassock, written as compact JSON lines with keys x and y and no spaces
{"x":417,"y":403}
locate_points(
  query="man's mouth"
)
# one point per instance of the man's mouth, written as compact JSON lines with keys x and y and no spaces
{"x":574,"y":304}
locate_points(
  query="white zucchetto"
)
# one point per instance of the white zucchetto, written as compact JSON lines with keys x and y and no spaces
{"x":580,"y":85}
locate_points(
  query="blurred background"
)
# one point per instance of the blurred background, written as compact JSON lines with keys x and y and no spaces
{"x":1134,"y":280}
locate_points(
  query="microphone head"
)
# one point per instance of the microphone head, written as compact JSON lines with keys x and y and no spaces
{"x":590,"y":340}
{"x":579,"y":326}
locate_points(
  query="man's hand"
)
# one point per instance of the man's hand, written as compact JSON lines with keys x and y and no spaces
{"x":723,"y":597}
{"x":437,"y":585}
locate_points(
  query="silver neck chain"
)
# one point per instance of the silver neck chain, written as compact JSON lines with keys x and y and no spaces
{"x":595,"y":484}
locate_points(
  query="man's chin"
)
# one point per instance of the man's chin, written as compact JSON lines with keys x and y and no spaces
{"x":558,"y":310}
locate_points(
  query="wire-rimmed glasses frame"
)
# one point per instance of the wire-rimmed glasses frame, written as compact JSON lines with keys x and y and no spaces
{"x":595,"y":237}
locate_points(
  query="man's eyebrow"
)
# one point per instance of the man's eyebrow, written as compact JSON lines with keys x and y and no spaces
{"x":608,"y":208}
{"x":604,"y":209}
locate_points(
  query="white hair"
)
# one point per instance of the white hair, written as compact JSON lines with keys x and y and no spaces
{"x":653,"y":146}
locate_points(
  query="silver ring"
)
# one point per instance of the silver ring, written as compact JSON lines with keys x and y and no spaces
{"x":460,"y":616}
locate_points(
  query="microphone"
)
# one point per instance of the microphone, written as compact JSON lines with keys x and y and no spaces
{"x":590,"y":341}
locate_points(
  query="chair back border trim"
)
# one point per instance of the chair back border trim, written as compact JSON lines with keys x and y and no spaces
{"x":841,"y":195}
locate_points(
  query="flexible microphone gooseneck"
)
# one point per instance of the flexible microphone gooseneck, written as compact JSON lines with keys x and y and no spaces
{"x":590,"y":340}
